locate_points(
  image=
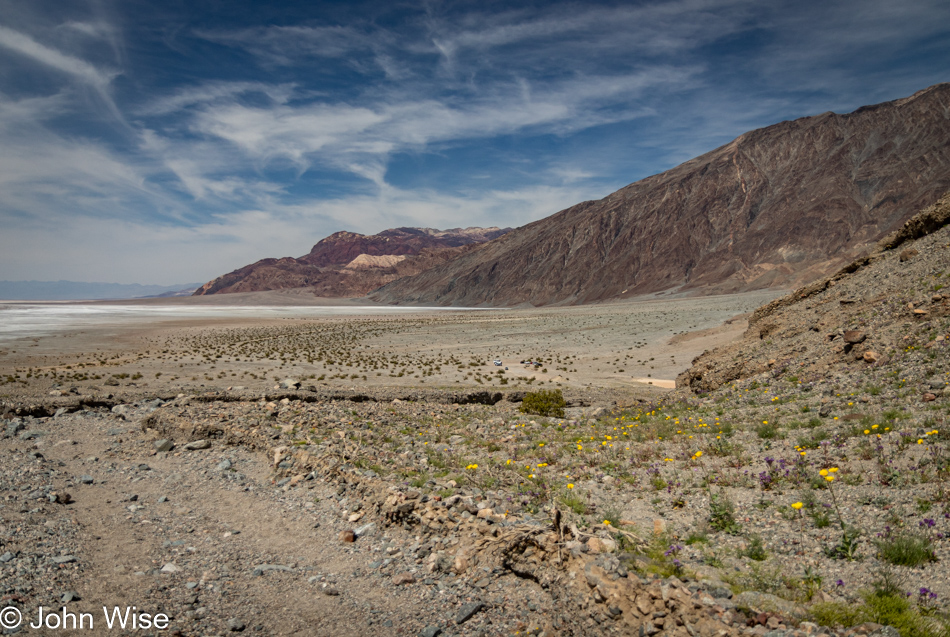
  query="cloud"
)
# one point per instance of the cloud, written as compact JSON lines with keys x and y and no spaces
{"x":359,"y":138}
{"x":214,"y":92}
{"x":130,"y":249}
{"x":284,"y":45}
{"x":261,"y":138}
{"x":74,"y":67}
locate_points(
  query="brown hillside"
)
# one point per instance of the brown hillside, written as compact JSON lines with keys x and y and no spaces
{"x":325,"y":269}
{"x":776,"y":207}
{"x":874,"y":313}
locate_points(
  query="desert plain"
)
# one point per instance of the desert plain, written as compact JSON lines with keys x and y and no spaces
{"x":279,"y":468}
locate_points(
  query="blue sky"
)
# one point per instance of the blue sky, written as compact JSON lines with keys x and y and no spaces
{"x":173,"y":141}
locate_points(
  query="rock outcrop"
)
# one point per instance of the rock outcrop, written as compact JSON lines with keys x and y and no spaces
{"x":347,"y":264}
{"x":866,"y":315}
{"x":776,"y":207}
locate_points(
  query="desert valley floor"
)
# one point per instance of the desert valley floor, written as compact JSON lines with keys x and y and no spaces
{"x":374,"y":475}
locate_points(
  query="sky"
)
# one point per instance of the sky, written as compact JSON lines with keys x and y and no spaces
{"x":174,"y":141}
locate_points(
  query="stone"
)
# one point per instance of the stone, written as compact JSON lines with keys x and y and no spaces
{"x":886,"y":631}
{"x":928,"y":397}
{"x":122,"y":411}
{"x":365,"y":530}
{"x":6,"y":557}
{"x":720,"y":592}
{"x":197,"y":445}
{"x":400,"y":579}
{"x":767,"y":603}
{"x":644,"y":604}
{"x":871,"y":356}
{"x":867,"y":627}
{"x":164,"y":445}
{"x":170,"y":567}
{"x":224,"y":465}
{"x":260,"y":569}
{"x":659,"y":526}
{"x":468,"y":611}
{"x":430,"y":631}
{"x":235,"y":625}
{"x":63,"y":559}
{"x":854,"y":337}
{"x":290,"y":383}
{"x":908,"y":254}
{"x":347,"y":536}
{"x":84,"y":479}
{"x":484,"y":513}
{"x":70,"y":596}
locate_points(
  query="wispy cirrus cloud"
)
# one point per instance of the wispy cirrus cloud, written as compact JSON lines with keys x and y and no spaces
{"x":144,"y":130}
{"x":72,"y":66}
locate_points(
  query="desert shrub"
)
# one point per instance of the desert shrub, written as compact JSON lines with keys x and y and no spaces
{"x":905,"y":549}
{"x":887,"y":609}
{"x":722,"y":514}
{"x":755,"y":549}
{"x":575,"y":503}
{"x":767,"y":431}
{"x":544,"y":403}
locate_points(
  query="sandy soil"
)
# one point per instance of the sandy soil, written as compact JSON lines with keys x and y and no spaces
{"x":609,"y":346}
{"x":177,"y":533}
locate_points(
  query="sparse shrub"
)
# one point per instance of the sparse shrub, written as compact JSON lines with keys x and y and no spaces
{"x":885,"y":608}
{"x":697,"y":537}
{"x":612,"y":515}
{"x":755,"y":550}
{"x":575,"y":503}
{"x":767,"y":431}
{"x":722,"y":514}
{"x":847,"y":547}
{"x":905,"y":549}
{"x":549,"y":403}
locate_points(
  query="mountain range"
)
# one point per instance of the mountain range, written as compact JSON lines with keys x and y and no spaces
{"x":78,"y":290}
{"x":776,"y":207}
{"x":347,"y":264}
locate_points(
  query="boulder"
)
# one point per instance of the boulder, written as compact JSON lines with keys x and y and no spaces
{"x":767,"y":603}
{"x":854,"y":337}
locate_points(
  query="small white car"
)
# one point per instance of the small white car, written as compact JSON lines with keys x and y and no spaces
{"x":497,"y":362}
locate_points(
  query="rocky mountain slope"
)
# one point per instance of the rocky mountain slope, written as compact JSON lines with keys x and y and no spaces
{"x":776,"y":207}
{"x":348,"y":264}
{"x":885,"y":312}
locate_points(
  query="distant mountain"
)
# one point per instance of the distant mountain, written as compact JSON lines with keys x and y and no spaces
{"x":775,"y":207}
{"x":76,"y":291}
{"x":347,"y":264}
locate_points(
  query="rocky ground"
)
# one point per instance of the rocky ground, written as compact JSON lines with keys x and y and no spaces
{"x":795,"y":485}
